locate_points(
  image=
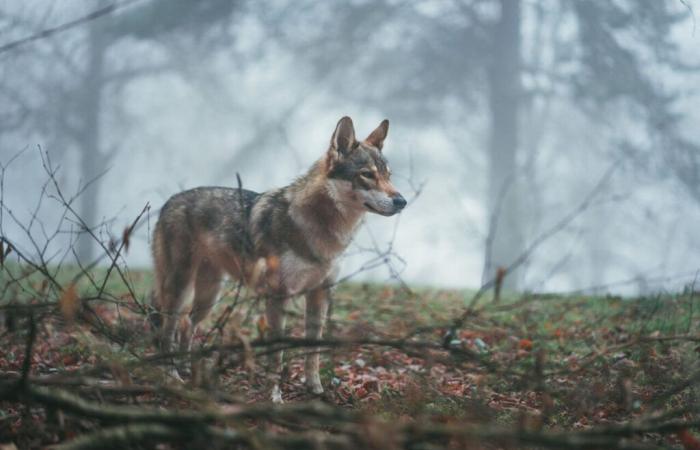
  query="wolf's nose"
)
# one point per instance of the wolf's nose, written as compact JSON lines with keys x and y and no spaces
{"x":399,"y":201}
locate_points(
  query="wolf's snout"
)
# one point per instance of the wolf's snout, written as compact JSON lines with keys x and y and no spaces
{"x":399,"y":202}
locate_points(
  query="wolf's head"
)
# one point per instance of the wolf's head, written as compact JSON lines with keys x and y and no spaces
{"x":359,"y":173}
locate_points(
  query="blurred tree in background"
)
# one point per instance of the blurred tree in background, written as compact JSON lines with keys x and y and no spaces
{"x":79,"y":92}
{"x":482,"y":74}
{"x":501,"y":63}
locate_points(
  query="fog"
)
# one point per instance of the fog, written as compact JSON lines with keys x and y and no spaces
{"x":565,"y":130}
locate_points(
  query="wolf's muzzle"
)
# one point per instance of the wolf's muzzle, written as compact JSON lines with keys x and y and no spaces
{"x":399,"y":202}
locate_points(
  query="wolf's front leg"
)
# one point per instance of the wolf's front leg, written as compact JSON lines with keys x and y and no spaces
{"x":316,"y":306}
{"x":274,"y":311}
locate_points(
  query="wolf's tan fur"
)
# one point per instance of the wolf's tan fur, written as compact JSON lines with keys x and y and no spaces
{"x":282,"y":242}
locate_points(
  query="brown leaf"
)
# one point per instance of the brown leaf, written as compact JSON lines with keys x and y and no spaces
{"x":125,"y":238}
{"x":70,"y":360}
{"x":262,"y":325}
{"x":525,"y":344}
{"x":500,"y":275}
{"x":689,"y":441}
{"x":273,"y":263}
{"x":361,"y":392}
{"x":69,"y":302}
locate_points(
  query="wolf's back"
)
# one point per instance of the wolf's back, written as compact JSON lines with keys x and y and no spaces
{"x":188,"y":216}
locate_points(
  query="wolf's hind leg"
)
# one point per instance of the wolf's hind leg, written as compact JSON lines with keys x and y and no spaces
{"x":274,"y":312}
{"x":316,"y":307}
{"x":177,"y":287}
{"x":207,"y":285}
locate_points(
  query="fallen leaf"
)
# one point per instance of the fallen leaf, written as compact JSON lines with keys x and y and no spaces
{"x":125,"y":239}
{"x":273,"y":263}
{"x":69,"y":302}
{"x":525,"y":344}
{"x":689,"y":441}
{"x":262,"y":325}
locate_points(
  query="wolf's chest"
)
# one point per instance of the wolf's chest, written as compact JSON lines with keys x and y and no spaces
{"x":297,"y":275}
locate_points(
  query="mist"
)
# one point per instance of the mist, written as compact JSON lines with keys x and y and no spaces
{"x":560,"y":133}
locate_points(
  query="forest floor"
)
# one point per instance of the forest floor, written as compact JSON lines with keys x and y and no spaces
{"x":554,"y":370}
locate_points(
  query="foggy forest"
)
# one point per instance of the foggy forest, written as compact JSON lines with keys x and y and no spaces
{"x":362,"y":224}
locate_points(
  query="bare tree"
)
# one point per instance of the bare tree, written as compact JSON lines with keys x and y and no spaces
{"x":73,"y":94}
{"x":506,"y":239}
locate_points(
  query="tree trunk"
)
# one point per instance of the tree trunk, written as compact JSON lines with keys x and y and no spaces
{"x":91,"y":157}
{"x":505,"y":238}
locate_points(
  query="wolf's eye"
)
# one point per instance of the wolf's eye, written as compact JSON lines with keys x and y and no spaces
{"x":367,"y":174}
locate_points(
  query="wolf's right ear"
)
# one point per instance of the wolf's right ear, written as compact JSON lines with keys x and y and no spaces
{"x":376,"y":137}
{"x":344,"y":136}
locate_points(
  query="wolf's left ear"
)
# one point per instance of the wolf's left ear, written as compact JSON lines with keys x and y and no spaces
{"x":376,"y":137}
{"x":344,"y":136}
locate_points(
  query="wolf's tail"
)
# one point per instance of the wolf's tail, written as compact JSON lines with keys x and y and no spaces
{"x":154,"y":314}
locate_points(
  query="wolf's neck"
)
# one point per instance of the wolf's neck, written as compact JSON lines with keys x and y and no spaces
{"x":324,"y":211}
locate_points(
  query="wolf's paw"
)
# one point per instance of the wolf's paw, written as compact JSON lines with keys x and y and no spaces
{"x":276,"y":395}
{"x":316,"y":389}
{"x":314,"y":386}
{"x":175,"y":375}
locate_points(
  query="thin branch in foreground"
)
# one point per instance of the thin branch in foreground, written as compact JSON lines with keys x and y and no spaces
{"x":168,"y":425}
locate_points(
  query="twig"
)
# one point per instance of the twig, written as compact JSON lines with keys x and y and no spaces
{"x":27,"y":363}
{"x":109,"y":9}
{"x":546,"y":235}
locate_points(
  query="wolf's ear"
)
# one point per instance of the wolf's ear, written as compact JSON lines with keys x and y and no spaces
{"x":344,"y":136}
{"x":376,"y":137}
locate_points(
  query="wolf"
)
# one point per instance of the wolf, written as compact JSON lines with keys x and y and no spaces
{"x":282,"y":243}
